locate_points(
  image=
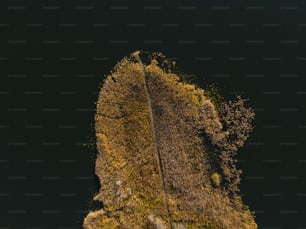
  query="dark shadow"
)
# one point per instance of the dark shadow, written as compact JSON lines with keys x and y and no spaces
{"x":211,"y":154}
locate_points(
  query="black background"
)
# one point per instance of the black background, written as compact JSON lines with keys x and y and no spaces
{"x":54,"y":55}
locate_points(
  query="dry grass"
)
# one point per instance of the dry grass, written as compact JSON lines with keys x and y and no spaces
{"x":128,"y":164}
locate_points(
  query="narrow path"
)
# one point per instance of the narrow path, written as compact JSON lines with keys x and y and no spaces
{"x":160,"y":164}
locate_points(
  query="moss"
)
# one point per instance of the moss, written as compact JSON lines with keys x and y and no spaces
{"x":216,"y":179}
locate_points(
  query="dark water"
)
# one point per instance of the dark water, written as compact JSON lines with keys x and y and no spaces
{"x":53,"y":57}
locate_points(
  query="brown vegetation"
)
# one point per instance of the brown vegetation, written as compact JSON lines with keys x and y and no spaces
{"x":173,"y":168}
